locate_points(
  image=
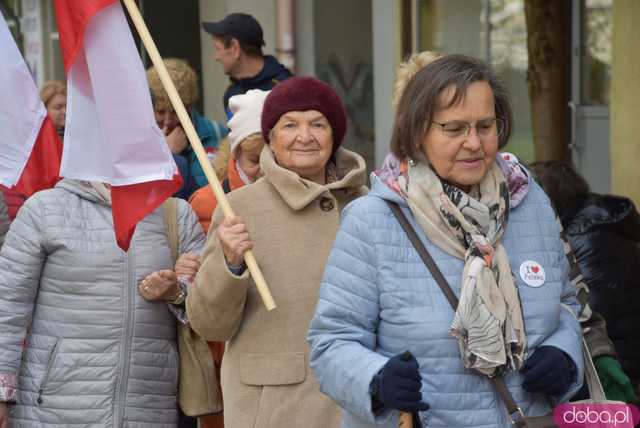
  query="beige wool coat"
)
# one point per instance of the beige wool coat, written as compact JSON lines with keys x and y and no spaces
{"x":266,"y":379}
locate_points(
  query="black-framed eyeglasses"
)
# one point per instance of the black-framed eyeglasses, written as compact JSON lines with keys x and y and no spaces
{"x":485,"y":128}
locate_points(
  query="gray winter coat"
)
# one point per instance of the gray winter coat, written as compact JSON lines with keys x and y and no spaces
{"x":97,"y":354}
{"x":4,"y":220}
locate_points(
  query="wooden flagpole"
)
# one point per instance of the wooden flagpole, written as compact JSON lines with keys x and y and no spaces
{"x":405,"y":420}
{"x":196,"y":145}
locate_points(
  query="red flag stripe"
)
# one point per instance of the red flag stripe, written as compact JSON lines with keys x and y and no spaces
{"x":130,"y":204}
{"x":73,"y":16}
{"x":43,"y":167}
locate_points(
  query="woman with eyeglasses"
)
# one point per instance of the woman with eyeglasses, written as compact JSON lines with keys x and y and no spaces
{"x":492,"y":233}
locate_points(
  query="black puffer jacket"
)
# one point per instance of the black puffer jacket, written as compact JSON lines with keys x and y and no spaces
{"x":604,"y":233}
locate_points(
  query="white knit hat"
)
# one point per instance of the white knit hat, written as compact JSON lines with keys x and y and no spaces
{"x":247,"y":111}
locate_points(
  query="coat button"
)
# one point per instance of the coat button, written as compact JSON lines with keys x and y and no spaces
{"x":327,"y":204}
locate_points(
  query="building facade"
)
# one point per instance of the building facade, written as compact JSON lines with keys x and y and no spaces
{"x":356,"y":45}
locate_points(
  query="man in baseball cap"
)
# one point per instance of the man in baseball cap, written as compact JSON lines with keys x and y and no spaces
{"x":237,"y":44}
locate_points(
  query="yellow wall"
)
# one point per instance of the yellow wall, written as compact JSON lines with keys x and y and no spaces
{"x":625,"y":100}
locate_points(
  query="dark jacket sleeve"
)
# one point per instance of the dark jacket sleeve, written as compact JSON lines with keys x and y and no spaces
{"x":608,"y":262}
{"x":593,"y":325}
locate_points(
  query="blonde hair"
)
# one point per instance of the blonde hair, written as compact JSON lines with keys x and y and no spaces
{"x":183,"y":76}
{"x":252,"y":142}
{"x":221,"y":162}
{"x":407,"y":69}
{"x":52,"y":88}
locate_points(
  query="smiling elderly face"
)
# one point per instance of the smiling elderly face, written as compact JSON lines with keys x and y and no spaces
{"x":302,"y":141}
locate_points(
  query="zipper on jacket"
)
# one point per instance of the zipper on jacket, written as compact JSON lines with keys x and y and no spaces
{"x":45,"y":376}
{"x":125,"y":354}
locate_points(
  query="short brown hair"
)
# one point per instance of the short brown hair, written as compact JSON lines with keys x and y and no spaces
{"x":250,"y":50}
{"x":51,"y":89}
{"x":565,"y":187}
{"x":419,"y":101}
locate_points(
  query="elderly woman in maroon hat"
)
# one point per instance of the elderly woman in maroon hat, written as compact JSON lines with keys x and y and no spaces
{"x":289,"y":218}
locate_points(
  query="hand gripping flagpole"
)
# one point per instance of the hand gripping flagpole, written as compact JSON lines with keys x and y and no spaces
{"x":196,"y":145}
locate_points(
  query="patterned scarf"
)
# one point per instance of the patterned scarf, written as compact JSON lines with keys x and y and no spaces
{"x":488,"y":322}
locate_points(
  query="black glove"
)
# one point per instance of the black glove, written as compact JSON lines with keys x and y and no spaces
{"x":548,"y":371}
{"x":397,"y":385}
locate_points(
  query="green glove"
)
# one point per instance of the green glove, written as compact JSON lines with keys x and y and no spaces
{"x":617,"y":385}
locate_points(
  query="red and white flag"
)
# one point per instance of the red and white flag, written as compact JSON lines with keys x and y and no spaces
{"x":30,"y":148}
{"x":111,"y":135}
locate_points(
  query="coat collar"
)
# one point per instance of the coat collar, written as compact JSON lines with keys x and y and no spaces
{"x":298,"y":192}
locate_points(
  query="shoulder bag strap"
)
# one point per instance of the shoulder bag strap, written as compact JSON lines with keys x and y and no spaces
{"x":198,"y":391}
{"x":497,"y":381}
{"x":424,"y":254}
{"x":170,"y":211}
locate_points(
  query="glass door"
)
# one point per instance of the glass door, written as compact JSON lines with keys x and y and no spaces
{"x":494,"y":30}
{"x":591,"y":81}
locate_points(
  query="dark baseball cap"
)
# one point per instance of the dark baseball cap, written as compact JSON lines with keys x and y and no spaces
{"x":241,"y":26}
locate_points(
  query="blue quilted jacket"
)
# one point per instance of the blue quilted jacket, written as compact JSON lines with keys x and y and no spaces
{"x":377,"y":300}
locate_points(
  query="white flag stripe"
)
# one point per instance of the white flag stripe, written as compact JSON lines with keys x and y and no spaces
{"x":111,"y":135}
{"x":21,"y":110}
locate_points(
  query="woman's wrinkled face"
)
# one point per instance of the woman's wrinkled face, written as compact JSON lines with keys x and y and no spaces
{"x":57,"y":109}
{"x":249,"y":161}
{"x":302,"y":141}
{"x":462,"y":154}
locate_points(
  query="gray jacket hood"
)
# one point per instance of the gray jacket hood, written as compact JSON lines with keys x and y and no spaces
{"x":83,"y":189}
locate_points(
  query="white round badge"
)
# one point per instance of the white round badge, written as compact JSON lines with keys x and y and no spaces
{"x":532,"y":273}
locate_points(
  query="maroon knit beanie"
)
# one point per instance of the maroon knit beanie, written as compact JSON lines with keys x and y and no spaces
{"x":302,"y":94}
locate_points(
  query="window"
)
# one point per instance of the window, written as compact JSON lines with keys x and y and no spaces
{"x":596,"y":52}
{"x":494,"y":30}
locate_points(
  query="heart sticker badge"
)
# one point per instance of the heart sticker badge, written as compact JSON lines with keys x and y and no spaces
{"x":532,"y":273}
